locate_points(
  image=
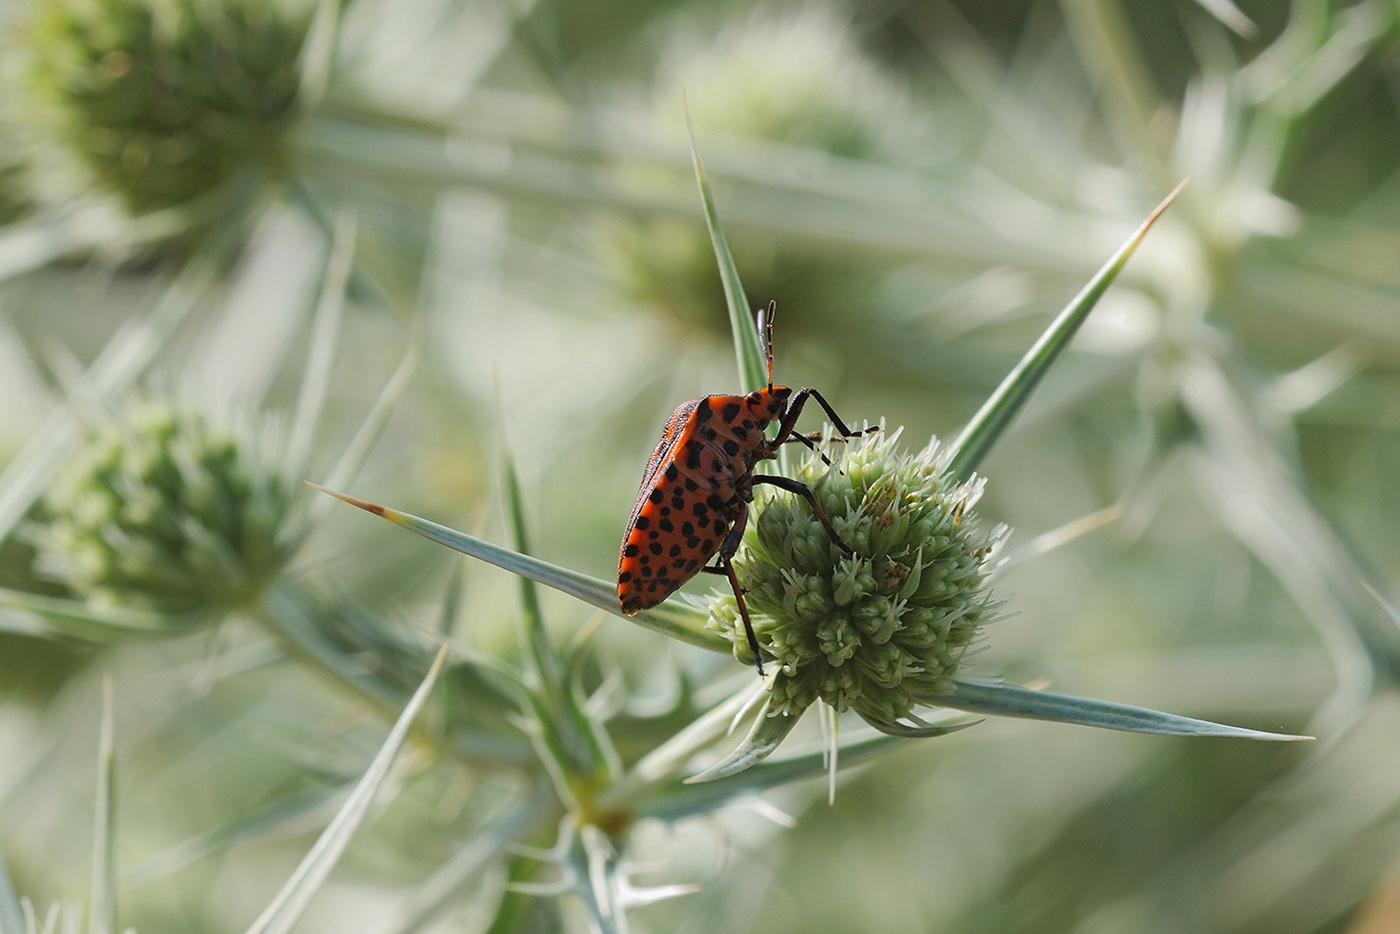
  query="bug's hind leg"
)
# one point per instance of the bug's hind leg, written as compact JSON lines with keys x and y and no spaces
{"x":727,"y":550}
{"x":804,"y":491}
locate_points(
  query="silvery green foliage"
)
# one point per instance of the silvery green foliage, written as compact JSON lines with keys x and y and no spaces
{"x":884,"y":628}
{"x":161,"y":510}
{"x":160,"y":103}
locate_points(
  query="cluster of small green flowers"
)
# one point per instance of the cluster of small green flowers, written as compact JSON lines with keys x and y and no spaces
{"x":164,"y":101}
{"x":159,"y":510}
{"x":884,"y":629}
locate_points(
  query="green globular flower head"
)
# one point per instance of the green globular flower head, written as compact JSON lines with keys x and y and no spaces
{"x":160,"y":510}
{"x":162,"y":101}
{"x":881,"y":630}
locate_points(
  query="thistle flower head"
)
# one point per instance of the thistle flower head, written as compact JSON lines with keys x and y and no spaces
{"x":881,"y":630}
{"x":160,"y":510}
{"x":795,"y":78}
{"x":161,"y":101}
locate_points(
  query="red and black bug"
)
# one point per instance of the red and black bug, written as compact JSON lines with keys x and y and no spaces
{"x":695,"y":495}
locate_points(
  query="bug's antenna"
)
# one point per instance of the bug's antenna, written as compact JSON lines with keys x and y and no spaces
{"x":765,"y":332}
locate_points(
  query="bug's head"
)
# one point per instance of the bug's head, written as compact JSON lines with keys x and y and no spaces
{"x":769,"y":404}
{"x":765,"y":334}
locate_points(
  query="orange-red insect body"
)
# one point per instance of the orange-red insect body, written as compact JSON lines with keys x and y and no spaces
{"x":695,"y":495}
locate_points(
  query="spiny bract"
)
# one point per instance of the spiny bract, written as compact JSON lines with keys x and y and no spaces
{"x":884,"y":629}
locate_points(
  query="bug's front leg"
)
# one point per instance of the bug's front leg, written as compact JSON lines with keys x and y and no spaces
{"x":727,"y":549}
{"x":794,"y":410}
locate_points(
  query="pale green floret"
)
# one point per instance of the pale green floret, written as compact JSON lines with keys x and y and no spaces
{"x":883,"y":630}
{"x":160,"y":510}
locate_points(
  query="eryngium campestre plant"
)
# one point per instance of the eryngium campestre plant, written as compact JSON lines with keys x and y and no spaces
{"x":885,"y":629}
{"x":160,"y":510}
{"x":161,"y":101}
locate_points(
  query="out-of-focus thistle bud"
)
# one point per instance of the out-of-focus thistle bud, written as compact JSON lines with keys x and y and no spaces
{"x":162,"y":101}
{"x":883,"y":630}
{"x":798,"y":80}
{"x":161,"y":510}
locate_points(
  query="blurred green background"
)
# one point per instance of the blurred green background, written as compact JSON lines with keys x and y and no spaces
{"x":919,"y":186}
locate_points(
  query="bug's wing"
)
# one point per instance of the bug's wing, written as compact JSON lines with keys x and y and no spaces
{"x":675,"y":427}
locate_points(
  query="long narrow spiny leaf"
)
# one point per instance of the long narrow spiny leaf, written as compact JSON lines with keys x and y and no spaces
{"x":674,"y":619}
{"x":753,"y":371}
{"x":102,"y":914}
{"x":1006,"y":700}
{"x":287,"y":907}
{"x":1002,"y":407}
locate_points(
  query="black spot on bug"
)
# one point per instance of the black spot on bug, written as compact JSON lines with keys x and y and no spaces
{"x":653,"y":535}
{"x":642,"y":523}
{"x":708,"y":545}
{"x":693,"y":541}
{"x":715,"y":501}
{"x":703,"y":411}
{"x":678,"y":564}
{"x":749,"y":425}
{"x":687,"y":528}
{"x":646,"y":571}
{"x":708,"y":433}
{"x":700,"y":510}
{"x":731,"y":447}
{"x":675,"y":551}
{"x":740,"y":432}
{"x":690,"y":485}
{"x":665,"y":510}
{"x":731,"y":411}
{"x":667,"y":526}
{"x":719,"y":526}
{"x":656,"y":496}
{"x":692,"y":455}
{"x":631,"y":551}
{"x":716,"y":464}
{"x":672,"y":471}
{"x":624,"y":577}
{"x":655,"y":548}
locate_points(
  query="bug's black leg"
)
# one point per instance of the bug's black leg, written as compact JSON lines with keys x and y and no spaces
{"x":727,"y":550}
{"x":727,"y":569}
{"x":799,"y":399}
{"x":801,"y":489}
{"x":811,"y":442}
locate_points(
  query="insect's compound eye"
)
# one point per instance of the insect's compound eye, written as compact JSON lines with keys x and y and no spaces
{"x":753,"y":396}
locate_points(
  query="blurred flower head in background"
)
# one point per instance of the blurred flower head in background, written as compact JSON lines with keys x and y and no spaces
{"x":159,"y":105}
{"x":161,"y":510}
